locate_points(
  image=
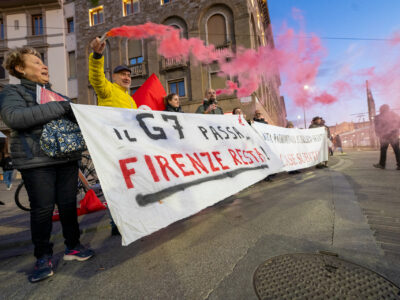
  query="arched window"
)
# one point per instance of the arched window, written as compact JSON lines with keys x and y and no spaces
{"x":216,"y":30}
{"x":135,"y":53}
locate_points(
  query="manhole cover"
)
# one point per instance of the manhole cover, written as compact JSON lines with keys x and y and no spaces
{"x":316,"y":276}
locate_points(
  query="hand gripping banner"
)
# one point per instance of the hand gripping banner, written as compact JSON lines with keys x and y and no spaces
{"x":159,"y":167}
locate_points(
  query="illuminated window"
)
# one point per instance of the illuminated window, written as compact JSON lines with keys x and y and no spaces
{"x":165,"y":1}
{"x":130,"y":7}
{"x":96,"y":15}
{"x":37,"y":25}
{"x":177,"y":87}
{"x":1,"y":29}
{"x":216,"y":30}
{"x":70,"y":25}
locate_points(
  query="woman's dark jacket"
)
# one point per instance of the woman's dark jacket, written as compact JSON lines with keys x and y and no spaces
{"x":173,"y":109}
{"x":20,"y":111}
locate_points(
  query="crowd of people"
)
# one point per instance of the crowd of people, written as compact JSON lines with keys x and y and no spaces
{"x":50,"y":180}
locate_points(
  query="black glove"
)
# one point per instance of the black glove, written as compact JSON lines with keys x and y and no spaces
{"x":66,"y":105}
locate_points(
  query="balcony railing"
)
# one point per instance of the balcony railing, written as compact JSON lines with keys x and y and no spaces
{"x":138,"y":70}
{"x":173,"y":63}
{"x":223,"y":50}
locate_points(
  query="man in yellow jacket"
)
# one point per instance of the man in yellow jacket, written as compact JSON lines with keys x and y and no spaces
{"x":109,"y":94}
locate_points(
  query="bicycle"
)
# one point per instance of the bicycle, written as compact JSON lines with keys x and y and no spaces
{"x":87,"y":179}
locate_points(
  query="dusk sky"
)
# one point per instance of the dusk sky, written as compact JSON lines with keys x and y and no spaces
{"x":356,"y":35}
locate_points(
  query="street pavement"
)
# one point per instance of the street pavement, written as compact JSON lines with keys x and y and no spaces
{"x":350,"y":208}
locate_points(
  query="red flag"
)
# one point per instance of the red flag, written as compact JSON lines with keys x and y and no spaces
{"x":44,"y":96}
{"x":150,"y":95}
{"x":89,"y":204}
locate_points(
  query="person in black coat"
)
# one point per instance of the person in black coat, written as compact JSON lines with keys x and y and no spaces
{"x":171,"y":102}
{"x":387,"y":125}
{"x":48,"y":181}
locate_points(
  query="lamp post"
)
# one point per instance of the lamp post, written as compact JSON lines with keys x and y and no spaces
{"x":306,"y":88}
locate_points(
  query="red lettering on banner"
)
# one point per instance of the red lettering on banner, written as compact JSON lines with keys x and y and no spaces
{"x":240,"y":155}
{"x":248,"y":158}
{"x":233,"y":154}
{"x":150,"y":165}
{"x":219,"y":160}
{"x":197,"y":163}
{"x":251,"y":153}
{"x":260,"y":155}
{"x":299,"y":158}
{"x":164,"y":165}
{"x":180,"y":165}
{"x":213,"y":168}
{"x":127,"y":172}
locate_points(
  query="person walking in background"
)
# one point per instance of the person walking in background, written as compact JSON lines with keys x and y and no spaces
{"x":172,"y":104}
{"x":48,"y":181}
{"x":8,"y":170}
{"x":209,"y":105}
{"x":338,"y":143}
{"x":109,"y":94}
{"x":387,"y":125}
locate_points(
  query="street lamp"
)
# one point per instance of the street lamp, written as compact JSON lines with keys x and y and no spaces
{"x":306,"y":88}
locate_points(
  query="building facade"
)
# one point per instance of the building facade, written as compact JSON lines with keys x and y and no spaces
{"x":227,"y":24}
{"x":47,"y":26}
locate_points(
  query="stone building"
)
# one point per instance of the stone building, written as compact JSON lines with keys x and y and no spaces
{"x":48,"y":26}
{"x":227,"y":24}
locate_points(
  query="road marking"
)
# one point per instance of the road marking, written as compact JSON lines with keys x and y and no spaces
{"x":304,"y":179}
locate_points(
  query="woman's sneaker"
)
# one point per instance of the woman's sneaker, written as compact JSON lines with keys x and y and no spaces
{"x":78,"y":253}
{"x":43,"y":269}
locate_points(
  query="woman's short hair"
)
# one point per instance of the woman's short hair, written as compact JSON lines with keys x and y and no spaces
{"x":15,"y":57}
{"x":169,"y":98}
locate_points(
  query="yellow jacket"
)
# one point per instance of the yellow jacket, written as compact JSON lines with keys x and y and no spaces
{"x":108,"y":94}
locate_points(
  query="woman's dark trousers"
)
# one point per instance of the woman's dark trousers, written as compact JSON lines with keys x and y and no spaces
{"x":47,"y":186}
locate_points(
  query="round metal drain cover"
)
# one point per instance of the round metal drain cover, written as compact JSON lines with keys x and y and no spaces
{"x":316,"y":276}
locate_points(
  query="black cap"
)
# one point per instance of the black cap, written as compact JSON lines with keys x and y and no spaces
{"x":121,"y":68}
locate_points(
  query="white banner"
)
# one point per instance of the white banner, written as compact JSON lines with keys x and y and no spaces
{"x":158,"y":167}
{"x":297,"y":148}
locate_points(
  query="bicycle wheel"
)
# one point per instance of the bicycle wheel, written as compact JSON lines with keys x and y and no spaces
{"x":21,"y":197}
{"x":88,"y":170}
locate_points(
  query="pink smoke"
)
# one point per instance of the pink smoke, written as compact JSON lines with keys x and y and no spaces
{"x":171,"y":45}
{"x":325,"y":98}
{"x":296,"y":59}
{"x":395,"y":39}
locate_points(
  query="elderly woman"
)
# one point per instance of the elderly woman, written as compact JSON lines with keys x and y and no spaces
{"x":48,"y":181}
{"x":171,"y":102}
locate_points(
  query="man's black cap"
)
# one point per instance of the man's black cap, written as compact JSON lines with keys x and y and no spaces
{"x":121,"y":68}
